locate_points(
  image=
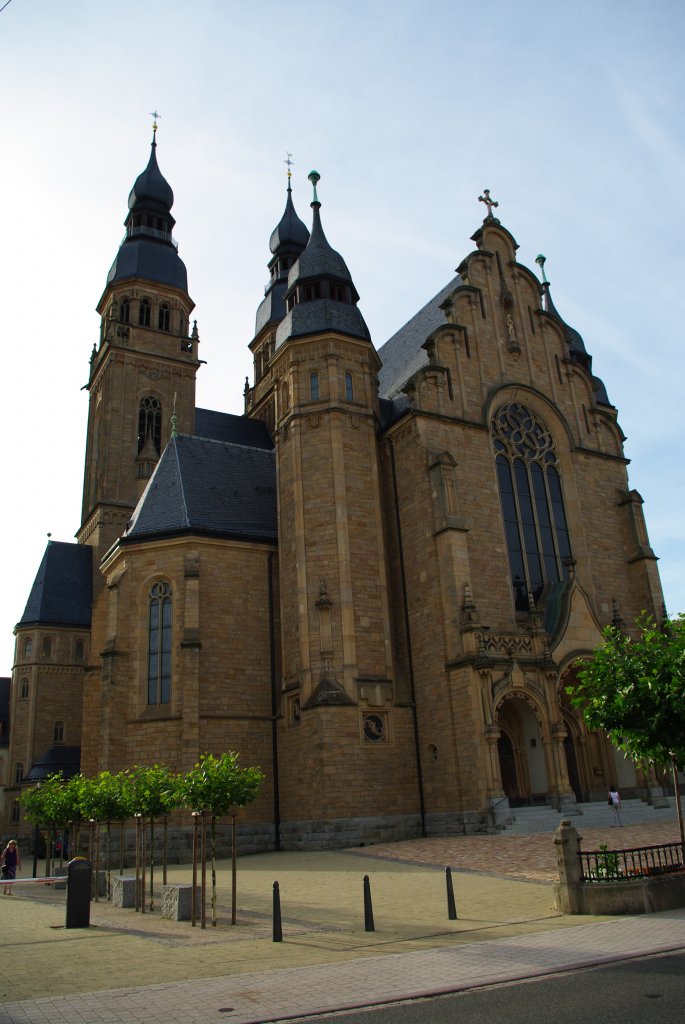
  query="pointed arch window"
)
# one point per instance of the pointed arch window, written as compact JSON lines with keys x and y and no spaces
{"x":150,"y":422}
{"x":18,"y":773}
{"x":314,"y":387}
{"x":159,"y":644}
{"x":349,"y":387}
{"x":24,"y":689}
{"x":144,"y":312}
{"x":164,"y":317}
{"x":532,"y":501}
{"x":125,"y":310}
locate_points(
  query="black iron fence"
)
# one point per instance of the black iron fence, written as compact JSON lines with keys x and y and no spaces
{"x":606,"y":865}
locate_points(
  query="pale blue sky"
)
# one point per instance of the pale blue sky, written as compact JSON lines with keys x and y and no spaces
{"x":570,"y":113}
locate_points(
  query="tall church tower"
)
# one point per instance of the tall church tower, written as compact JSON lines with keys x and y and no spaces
{"x":337,"y":663}
{"x":144,"y":367}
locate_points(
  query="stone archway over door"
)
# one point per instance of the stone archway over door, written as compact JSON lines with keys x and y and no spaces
{"x":520,"y":725}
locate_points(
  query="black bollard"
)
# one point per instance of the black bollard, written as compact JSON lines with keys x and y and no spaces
{"x":79,"y":879}
{"x":368,"y":908}
{"x":451,"y":905}
{"x":277,"y":927}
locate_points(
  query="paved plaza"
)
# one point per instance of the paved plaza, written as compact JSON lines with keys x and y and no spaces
{"x":130,"y":967}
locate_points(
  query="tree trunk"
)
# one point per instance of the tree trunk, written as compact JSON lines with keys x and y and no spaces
{"x":214,"y":871}
{"x":678,"y":805}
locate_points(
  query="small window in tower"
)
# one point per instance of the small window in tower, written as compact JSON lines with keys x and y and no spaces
{"x":314,"y":387}
{"x":46,"y":650}
{"x":285,"y":398}
{"x":164,"y":317}
{"x":125,"y":310}
{"x":144,"y":312}
{"x":79,"y":650}
{"x":349,"y":388}
{"x":150,"y":422}
{"x":58,"y":732}
{"x":18,"y":773}
{"x":28,"y":647}
{"x":24,"y":689}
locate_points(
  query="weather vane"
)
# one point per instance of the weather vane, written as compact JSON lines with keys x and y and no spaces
{"x":156,"y":117}
{"x":289,"y":161}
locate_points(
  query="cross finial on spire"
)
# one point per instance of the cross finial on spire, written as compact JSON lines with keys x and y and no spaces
{"x":289,"y":161}
{"x":485,"y":198}
{"x":155,"y":116}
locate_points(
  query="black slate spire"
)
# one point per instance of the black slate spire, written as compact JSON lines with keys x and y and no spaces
{"x":288,"y":239}
{"x":148,"y":249}
{"x":321,"y":295}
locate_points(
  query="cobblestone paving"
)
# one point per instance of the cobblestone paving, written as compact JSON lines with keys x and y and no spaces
{"x":530,"y":858}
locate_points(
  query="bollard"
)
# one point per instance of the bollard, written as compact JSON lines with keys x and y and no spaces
{"x":368,"y":909}
{"x":277,"y":927}
{"x":79,"y":879}
{"x":451,"y":905}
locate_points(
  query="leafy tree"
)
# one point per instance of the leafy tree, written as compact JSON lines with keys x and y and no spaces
{"x":52,"y":803}
{"x":634,"y":689}
{"x":150,"y":791}
{"x":218,"y":785}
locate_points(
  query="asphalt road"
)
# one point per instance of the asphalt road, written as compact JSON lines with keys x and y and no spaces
{"x":649,"y":990}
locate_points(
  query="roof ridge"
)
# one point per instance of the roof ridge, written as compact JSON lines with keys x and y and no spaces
{"x":181,"y":483}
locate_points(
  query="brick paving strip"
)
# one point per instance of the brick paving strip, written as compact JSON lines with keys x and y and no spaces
{"x":278,"y":995}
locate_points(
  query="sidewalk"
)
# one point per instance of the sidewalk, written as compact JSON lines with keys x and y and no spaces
{"x":131,"y":967}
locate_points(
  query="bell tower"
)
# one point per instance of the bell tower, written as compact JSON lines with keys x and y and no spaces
{"x":143,"y":368}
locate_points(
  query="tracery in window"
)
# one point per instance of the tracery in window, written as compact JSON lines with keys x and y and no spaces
{"x":125,"y":310}
{"x":159,"y":644}
{"x":349,"y":387}
{"x":24,"y":689}
{"x":144,"y":311}
{"x":532,"y":501}
{"x":150,"y":422}
{"x":18,"y":773}
{"x":164,"y":317}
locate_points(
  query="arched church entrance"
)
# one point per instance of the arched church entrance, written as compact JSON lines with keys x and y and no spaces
{"x":572,"y":766}
{"x":522,"y":764}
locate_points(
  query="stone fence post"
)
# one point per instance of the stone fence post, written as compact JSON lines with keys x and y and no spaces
{"x":567,"y":891}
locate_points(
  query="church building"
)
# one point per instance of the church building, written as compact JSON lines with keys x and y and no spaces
{"x":375,"y":584}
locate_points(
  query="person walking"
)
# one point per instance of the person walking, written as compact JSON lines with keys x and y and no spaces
{"x":11,"y":863}
{"x":615,"y":801}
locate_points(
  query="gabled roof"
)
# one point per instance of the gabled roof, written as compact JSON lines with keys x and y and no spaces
{"x":402,"y":355}
{"x":209,"y":487}
{"x":225,"y":426}
{"x":62,"y":592}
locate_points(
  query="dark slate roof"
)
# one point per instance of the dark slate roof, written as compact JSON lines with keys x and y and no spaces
{"x":319,"y":259}
{"x":150,"y":259}
{"x":151,"y":187}
{"x":5,"y":684}
{"x":209,"y":487}
{"x":322,"y":315}
{"x":290,"y":232}
{"x":62,"y":592}
{"x":66,"y":760}
{"x":272,"y":307}
{"x":402,"y":355}
{"x":225,"y":426}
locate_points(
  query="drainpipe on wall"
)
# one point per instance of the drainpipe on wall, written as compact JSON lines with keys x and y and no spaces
{"x":274,"y":705}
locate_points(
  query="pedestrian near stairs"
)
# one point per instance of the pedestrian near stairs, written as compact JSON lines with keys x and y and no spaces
{"x":615,"y":802}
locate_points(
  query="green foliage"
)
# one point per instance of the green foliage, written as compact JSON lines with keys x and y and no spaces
{"x":53,"y":801}
{"x":634,"y":689}
{"x":150,"y":790}
{"x":219,"y":784}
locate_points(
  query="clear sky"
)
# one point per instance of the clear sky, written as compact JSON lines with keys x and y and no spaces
{"x":570,"y":113}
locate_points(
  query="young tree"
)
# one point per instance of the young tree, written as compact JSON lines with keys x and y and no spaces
{"x":219,"y":785}
{"x":150,"y":792}
{"x":634,"y":689}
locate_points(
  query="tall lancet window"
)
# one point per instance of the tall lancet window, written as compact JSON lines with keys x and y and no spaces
{"x":532,"y":501}
{"x":159,"y":644}
{"x":150,"y":422}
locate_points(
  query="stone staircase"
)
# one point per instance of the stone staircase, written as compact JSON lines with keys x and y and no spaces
{"x":529,"y":820}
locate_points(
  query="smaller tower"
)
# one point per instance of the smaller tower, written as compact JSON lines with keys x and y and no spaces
{"x":288,"y":240}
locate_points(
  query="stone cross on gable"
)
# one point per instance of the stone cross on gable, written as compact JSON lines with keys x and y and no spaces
{"x":485,"y":198}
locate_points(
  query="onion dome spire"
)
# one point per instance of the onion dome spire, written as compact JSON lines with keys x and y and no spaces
{"x":288,"y":239}
{"x":321,"y":295}
{"x":148,"y":249}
